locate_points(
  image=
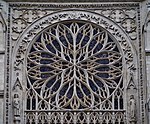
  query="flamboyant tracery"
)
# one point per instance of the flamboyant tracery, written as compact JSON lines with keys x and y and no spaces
{"x":74,"y":65}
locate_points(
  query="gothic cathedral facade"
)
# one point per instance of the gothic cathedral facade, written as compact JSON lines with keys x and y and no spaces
{"x":75,"y":62}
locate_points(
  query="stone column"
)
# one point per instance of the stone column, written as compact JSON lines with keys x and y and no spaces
{"x":3,"y":23}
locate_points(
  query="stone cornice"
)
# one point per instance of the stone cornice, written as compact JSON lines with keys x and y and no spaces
{"x":73,"y":5}
{"x":91,"y":1}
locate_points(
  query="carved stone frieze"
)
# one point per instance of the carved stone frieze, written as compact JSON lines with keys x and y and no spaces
{"x":126,"y":18}
{"x":23,"y":18}
{"x":43,"y":23}
{"x":117,"y":15}
{"x":58,"y":1}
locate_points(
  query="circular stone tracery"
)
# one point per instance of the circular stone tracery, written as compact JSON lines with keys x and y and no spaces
{"x":74,"y":65}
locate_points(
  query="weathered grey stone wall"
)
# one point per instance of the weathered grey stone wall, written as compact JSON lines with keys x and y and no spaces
{"x":146,"y":35}
{"x":3,"y":28}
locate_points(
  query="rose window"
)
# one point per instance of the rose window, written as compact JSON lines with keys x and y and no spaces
{"x":74,"y":65}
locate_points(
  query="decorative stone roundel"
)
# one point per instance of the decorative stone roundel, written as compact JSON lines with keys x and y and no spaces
{"x":74,"y":65}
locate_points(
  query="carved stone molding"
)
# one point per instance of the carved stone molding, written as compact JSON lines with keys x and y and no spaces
{"x":58,"y":1}
{"x":3,"y":29}
{"x":1,"y":93}
{"x":3,"y":21}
